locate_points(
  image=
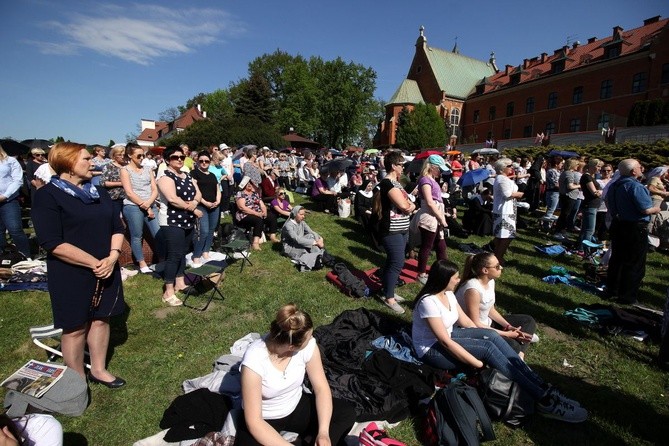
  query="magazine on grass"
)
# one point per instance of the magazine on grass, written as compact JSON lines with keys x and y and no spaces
{"x":34,"y":378}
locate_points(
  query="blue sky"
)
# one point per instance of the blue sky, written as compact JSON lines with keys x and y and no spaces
{"x":88,"y":71}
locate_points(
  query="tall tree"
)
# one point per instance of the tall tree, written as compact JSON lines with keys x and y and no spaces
{"x":217,"y":104}
{"x":420,"y":128}
{"x":253,"y":97}
{"x":169,"y":114}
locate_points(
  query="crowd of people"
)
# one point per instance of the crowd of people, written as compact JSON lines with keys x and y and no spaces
{"x":180,"y":196}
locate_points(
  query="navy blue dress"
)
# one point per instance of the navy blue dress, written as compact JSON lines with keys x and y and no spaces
{"x":61,"y":218}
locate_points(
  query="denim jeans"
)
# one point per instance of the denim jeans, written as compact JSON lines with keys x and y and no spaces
{"x":395,"y":246}
{"x":135,"y":217}
{"x":178,"y":242}
{"x":489,"y":347}
{"x":10,"y":220}
{"x":552,"y":199}
{"x":208,"y":223}
{"x":589,"y":218}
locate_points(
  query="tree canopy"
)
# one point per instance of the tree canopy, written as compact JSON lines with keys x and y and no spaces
{"x":420,"y":128}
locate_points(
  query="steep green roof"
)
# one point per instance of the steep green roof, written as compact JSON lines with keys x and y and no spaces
{"x":457,"y":74}
{"x":407,"y":93}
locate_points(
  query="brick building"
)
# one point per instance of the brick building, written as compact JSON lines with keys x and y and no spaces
{"x":152,"y":131}
{"x":579,"y":88}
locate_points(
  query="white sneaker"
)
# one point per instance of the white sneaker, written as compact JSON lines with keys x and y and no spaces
{"x":399,"y":299}
{"x":535,"y":338}
{"x":559,"y":236}
{"x":395,"y":306}
{"x":422,"y":279}
{"x":563,"y":411}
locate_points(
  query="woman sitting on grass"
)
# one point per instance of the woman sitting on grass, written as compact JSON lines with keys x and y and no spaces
{"x":273,"y":371}
{"x":439,"y":344}
{"x":476,"y":296}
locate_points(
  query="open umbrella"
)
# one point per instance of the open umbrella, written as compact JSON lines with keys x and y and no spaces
{"x":453,"y":152}
{"x":486,"y":151}
{"x":37,"y":143}
{"x":337,"y":165}
{"x":371,"y":151}
{"x":423,"y":155}
{"x":473,"y":177}
{"x":14,"y":148}
{"x":414,"y":166}
{"x":563,"y":153}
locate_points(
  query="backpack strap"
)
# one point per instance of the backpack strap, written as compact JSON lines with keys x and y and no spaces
{"x":486,"y":424}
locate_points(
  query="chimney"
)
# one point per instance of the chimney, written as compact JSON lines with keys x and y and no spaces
{"x":492,"y":62}
{"x":651,"y":20}
{"x":526,"y":62}
{"x":199,"y":108}
{"x":543,"y":57}
{"x":617,"y":31}
{"x":204,"y":114}
{"x":508,"y":69}
{"x":592,"y":39}
{"x":575,"y":45}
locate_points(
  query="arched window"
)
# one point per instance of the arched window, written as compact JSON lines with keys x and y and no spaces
{"x":455,"y":116}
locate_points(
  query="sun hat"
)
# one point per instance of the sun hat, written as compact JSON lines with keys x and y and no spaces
{"x":437,"y":161}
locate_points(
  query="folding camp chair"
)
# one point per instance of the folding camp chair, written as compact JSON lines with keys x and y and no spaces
{"x":238,"y":249}
{"x":47,"y":337}
{"x":201,"y":278}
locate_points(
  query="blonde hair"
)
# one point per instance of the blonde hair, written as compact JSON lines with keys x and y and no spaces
{"x":64,"y":155}
{"x":427,"y":165}
{"x":3,"y":154}
{"x":290,"y":327}
{"x":571,"y":163}
{"x":114,"y":151}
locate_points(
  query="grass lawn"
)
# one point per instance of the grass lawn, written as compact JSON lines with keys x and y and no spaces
{"x":156,"y":347}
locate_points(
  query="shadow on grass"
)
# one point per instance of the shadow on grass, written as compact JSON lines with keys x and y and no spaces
{"x":118,"y":332}
{"x":74,"y":439}
{"x":623,"y":412}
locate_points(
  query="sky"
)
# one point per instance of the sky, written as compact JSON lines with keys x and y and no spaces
{"x":89,"y":71}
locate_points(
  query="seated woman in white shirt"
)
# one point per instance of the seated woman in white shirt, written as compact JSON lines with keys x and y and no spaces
{"x":439,"y":344}
{"x":273,"y":371}
{"x":476,"y":296}
{"x":30,"y":430}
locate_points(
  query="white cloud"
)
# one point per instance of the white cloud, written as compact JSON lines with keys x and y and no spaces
{"x":139,"y":33}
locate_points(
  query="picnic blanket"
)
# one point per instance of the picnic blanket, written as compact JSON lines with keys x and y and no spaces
{"x":409,"y":274}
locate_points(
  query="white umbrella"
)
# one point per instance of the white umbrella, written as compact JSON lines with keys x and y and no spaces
{"x":486,"y":151}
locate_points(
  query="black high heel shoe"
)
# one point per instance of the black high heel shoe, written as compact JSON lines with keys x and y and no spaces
{"x":116,"y":384}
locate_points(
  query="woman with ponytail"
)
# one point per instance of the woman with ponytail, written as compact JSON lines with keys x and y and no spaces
{"x":476,"y":296}
{"x":273,"y":371}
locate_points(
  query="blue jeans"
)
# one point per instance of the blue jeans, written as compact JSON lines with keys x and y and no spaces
{"x":136,"y":218}
{"x":552,"y":199}
{"x":589,"y":218}
{"x":489,"y":347}
{"x":10,"y":220}
{"x":178,"y":242}
{"x":208,"y":223}
{"x":395,"y":246}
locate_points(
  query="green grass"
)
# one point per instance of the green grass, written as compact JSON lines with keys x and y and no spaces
{"x":155,"y":348}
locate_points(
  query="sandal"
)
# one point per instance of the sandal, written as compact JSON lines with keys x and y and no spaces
{"x":172,"y":301}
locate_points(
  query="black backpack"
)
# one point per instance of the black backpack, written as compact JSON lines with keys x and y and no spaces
{"x":504,"y":399}
{"x":351,"y":285}
{"x":456,"y":416}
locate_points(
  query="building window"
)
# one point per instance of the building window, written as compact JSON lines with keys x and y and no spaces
{"x":550,"y":128}
{"x":455,"y":116}
{"x":639,"y":83}
{"x":507,"y":133}
{"x":558,"y":67}
{"x":477,"y":116}
{"x":509,"y":109}
{"x":491,"y":113}
{"x":606,"y":90}
{"x":612,"y":51}
{"x":575,"y":125}
{"x":577,"y":97}
{"x":552,"y":100}
{"x":529,"y":105}
{"x":603,"y":122}
{"x":665,"y":74}
{"x":527,"y":131}
{"x":480,"y":89}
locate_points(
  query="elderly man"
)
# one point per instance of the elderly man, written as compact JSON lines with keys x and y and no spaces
{"x":300,"y":242}
{"x":630,"y":207}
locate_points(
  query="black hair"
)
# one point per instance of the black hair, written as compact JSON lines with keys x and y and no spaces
{"x":170,"y":150}
{"x":440,"y":274}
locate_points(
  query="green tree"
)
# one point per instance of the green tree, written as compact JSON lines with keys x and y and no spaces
{"x":420,"y":128}
{"x":217,"y":104}
{"x":111,"y":143}
{"x":253,"y":97}
{"x":346,"y":94}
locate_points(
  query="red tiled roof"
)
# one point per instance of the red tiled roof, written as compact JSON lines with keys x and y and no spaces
{"x":185,"y":120}
{"x":153,"y":134}
{"x":577,"y":56}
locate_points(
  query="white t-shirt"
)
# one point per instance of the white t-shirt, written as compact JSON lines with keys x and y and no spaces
{"x":430,"y":306}
{"x":487,"y":298}
{"x":40,"y":430}
{"x":281,"y":391}
{"x":502,"y":203}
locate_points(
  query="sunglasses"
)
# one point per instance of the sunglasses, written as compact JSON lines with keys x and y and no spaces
{"x":41,"y":155}
{"x":204,"y":161}
{"x":139,"y":157}
{"x":282,"y":193}
{"x":177,"y":157}
{"x":498,"y":267}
